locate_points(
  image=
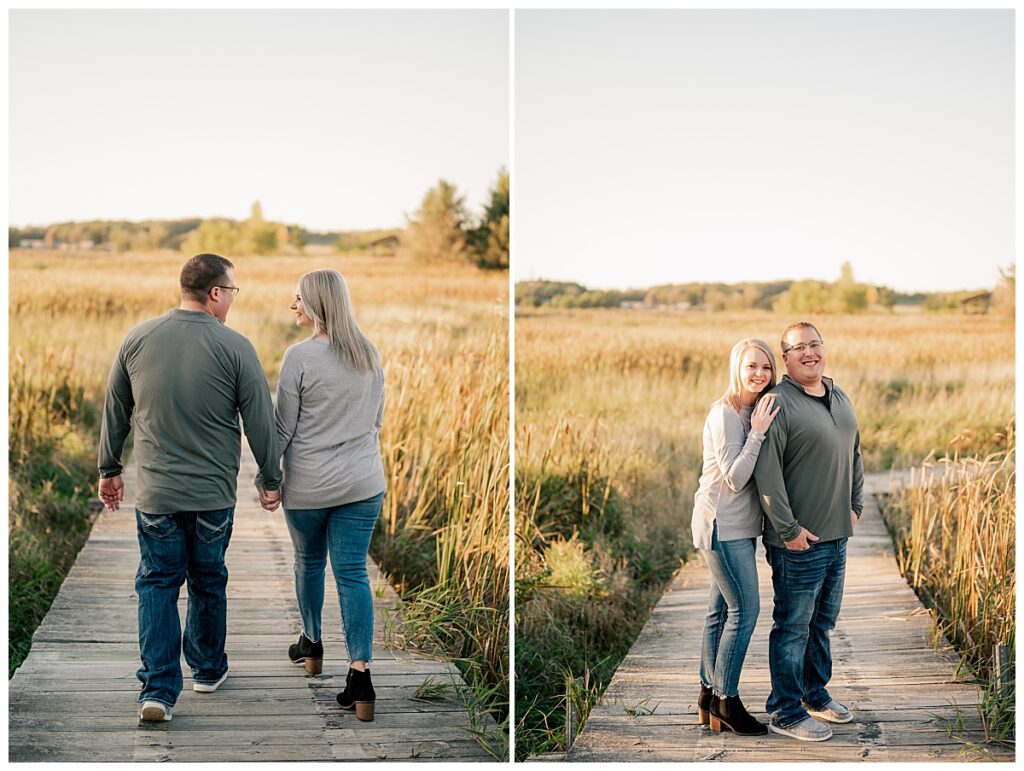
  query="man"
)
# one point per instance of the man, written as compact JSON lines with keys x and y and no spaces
{"x":184,"y":378}
{"x":809,"y":475}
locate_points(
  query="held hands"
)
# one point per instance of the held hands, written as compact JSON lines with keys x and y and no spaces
{"x":269,"y":500}
{"x":763,"y":414}
{"x":111,"y":492}
{"x":803,"y":541}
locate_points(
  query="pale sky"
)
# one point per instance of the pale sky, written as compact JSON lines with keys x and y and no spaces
{"x":331,"y":119}
{"x":674,"y":146}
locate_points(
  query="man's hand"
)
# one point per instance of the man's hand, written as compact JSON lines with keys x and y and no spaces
{"x":803,"y":541}
{"x":269,"y":500}
{"x":112,"y":492}
{"x":854,"y":519}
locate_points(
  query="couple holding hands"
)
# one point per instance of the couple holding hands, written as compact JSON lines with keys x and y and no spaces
{"x":781,"y":461}
{"x":182,"y":380}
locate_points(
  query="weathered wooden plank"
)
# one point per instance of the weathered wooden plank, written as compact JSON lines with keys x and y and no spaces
{"x":894,"y":721}
{"x":32,"y":752}
{"x":235,"y":753}
{"x":905,"y":693}
{"x":199,"y":735}
{"x":895,"y":734}
{"x":111,"y":715}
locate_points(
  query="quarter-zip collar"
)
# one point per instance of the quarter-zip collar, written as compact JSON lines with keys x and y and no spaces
{"x":827,"y":382}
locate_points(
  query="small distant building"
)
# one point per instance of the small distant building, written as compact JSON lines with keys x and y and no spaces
{"x":977,"y":304}
{"x":384,"y":247}
{"x":78,"y":246}
{"x":321,"y":249}
{"x":32,"y":243}
{"x":632,"y":304}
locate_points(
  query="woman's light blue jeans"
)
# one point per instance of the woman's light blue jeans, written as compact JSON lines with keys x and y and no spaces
{"x":733,"y":607}
{"x":344,"y":532}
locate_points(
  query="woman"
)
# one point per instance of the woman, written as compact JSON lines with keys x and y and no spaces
{"x":330,"y":406}
{"x":726,"y":523}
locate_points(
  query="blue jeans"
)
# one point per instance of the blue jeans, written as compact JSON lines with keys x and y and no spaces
{"x":344,"y":532}
{"x":808,"y":594}
{"x":175,"y":548}
{"x":732,"y":612}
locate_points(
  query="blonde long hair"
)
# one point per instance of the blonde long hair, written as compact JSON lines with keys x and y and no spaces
{"x":732,"y":393}
{"x":325,"y":299}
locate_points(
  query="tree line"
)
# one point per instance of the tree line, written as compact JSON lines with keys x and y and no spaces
{"x":254,"y":235}
{"x":844,"y":295}
{"x":441,"y":229}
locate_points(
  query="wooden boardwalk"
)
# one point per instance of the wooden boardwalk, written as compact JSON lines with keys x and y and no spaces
{"x":903,"y":691}
{"x":75,"y":697}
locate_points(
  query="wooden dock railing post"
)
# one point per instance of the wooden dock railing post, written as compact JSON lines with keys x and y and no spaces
{"x":1001,"y":664}
{"x":572,"y":718}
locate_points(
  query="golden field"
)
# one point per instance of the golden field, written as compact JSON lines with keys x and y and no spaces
{"x":917,"y":381}
{"x":443,"y":335}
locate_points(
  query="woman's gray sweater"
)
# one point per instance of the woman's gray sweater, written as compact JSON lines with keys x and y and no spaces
{"x":726,"y":492}
{"x":328,"y":426}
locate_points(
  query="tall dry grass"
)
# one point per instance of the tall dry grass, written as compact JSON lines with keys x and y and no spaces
{"x":955,"y":534}
{"x":443,"y":335}
{"x":610,"y":407}
{"x":51,"y":428}
{"x":589,"y":565}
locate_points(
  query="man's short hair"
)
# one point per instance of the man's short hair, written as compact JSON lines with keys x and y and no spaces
{"x":201,"y":273}
{"x":797,"y":325}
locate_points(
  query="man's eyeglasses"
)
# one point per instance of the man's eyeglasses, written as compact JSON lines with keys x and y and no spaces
{"x":817,"y":345}
{"x":234,"y":289}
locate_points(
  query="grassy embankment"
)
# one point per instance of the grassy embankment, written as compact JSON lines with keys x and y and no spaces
{"x":442,"y":332}
{"x":955,"y":536}
{"x":609,"y":409}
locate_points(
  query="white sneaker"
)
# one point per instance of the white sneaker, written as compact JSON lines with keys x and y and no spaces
{"x":154,"y":712}
{"x":209,"y":687}
{"x":807,"y":730}
{"x":833,"y":712}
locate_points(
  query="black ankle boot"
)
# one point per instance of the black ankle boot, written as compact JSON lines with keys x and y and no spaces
{"x":358,"y":694}
{"x":730,"y":713}
{"x":704,"y":705}
{"x":309,"y":653}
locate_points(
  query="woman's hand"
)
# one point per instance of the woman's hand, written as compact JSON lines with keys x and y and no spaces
{"x":763,"y":414}
{"x":269,"y":500}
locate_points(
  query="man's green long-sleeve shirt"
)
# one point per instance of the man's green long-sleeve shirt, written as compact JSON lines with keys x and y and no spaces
{"x":809,"y":472}
{"x":182,"y":380}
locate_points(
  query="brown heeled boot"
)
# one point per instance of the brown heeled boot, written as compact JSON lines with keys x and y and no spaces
{"x":730,"y":713}
{"x":704,"y":705}
{"x":358,"y":694}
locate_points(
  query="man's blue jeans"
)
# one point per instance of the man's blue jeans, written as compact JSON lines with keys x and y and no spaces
{"x":175,"y":548}
{"x":808,"y":594}
{"x":344,"y":532}
{"x":733,"y":607}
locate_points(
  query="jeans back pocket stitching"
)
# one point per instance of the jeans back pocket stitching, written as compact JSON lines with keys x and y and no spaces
{"x":154,"y":527}
{"x":216,"y":529}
